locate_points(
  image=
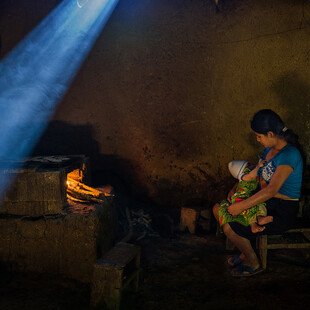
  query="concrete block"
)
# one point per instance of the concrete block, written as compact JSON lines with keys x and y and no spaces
{"x":35,"y":193}
{"x":118,"y":269}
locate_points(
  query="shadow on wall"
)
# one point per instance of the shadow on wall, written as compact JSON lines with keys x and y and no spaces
{"x":61,"y":138}
{"x":294,"y":94}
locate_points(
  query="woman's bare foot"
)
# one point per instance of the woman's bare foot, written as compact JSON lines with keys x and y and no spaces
{"x":255,"y":228}
{"x":263,"y":220}
{"x":251,"y":263}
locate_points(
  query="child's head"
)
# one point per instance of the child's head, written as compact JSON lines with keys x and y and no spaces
{"x":237,"y":167}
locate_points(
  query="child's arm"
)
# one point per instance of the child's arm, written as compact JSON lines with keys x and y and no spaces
{"x":253,"y":173}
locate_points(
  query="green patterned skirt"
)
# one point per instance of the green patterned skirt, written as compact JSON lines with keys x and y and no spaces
{"x":243,"y":191}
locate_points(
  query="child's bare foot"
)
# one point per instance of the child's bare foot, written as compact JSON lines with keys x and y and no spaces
{"x":263,"y":220}
{"x":255,"y":228}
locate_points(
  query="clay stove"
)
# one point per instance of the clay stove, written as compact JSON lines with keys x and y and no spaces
{"x":51,"y":221}
{"x":48,"y":185}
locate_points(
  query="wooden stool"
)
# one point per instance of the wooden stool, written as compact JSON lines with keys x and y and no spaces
{"x":264,"y":243}
{"x":118,"y":269}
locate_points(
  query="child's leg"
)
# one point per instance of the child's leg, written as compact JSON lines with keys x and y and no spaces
{"x":255,"y":228}
{"x":262,"y":220}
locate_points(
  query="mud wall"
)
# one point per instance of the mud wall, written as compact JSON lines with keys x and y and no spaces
{"x":165,"y":96}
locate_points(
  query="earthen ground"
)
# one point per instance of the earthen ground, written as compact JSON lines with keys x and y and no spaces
{"x":184,"y":272}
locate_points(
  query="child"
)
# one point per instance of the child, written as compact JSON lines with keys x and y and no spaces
{"x":248,"y":183}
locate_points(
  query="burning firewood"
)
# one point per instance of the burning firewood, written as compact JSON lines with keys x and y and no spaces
{"x":80,"y":192}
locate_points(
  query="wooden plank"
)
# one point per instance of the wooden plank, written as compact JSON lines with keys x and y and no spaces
{"x":301,"y":230}
{"x":262,"y":245}
{"x":288,"y":246}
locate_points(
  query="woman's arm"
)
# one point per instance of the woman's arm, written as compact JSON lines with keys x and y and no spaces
{"x":279,"y":177}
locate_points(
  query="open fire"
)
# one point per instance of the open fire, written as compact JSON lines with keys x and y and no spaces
{"x":83,"y":198}
{"x":80,"y":192}
{"x":46,"y":185}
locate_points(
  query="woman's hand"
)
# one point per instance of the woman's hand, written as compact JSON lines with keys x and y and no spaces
{"x":261,"y":163}
{"x":235,"y":209}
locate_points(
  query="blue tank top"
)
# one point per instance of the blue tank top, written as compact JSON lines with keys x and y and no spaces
{"x":289,"y":156}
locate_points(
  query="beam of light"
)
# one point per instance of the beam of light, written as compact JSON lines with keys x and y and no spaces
{"x":81,"y":3}
{"x":36,"y":74}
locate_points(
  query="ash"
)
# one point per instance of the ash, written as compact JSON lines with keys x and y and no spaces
{"x":142,"y":225}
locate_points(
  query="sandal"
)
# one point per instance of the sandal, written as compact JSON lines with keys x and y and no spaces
{"x":234,"y":260}
{"x":245,"y":271}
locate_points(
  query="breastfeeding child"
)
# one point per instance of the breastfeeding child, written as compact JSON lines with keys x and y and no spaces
{"x":248,"y":184}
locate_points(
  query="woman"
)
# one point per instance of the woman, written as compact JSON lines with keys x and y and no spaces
{"x":280,"y":180}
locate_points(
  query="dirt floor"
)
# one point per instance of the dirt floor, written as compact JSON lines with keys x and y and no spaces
{"x":184,"y":272}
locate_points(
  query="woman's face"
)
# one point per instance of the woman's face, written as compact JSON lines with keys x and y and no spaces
{"x":267,"y":140}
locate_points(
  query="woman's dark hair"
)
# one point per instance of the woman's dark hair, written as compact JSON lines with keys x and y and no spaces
{"x":267,"y":120}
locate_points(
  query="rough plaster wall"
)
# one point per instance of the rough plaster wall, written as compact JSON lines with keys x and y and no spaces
{"x":168,"y":90}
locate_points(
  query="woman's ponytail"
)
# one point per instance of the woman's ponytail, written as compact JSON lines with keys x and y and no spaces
{"x":290,"y":137}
